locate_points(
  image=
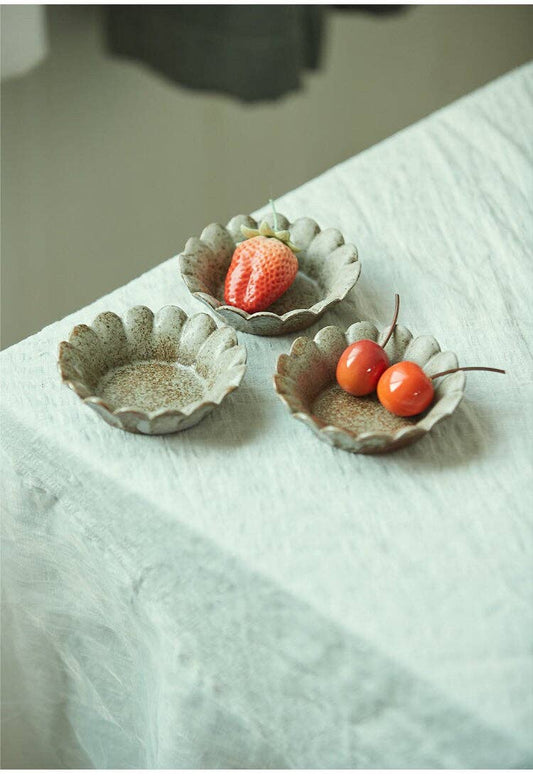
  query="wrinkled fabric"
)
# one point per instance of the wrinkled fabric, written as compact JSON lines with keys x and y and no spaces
{"x":243,"y":595}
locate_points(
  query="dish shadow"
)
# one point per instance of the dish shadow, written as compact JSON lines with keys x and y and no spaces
{"x":240,"y":418}
{"x":459,"y":439}
{"x":350,"y":310}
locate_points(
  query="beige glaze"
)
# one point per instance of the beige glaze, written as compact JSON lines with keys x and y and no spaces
{"x":152,"y":374}
{"x":328,"y":269}
{"x":305,"y":381}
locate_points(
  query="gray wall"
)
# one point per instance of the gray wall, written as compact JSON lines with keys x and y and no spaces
{"x":107,"y":169}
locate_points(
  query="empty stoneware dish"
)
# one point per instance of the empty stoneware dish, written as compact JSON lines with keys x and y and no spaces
{"x":152,"y":375}
{"x":328,"y":269}
{"x":305,"y":381}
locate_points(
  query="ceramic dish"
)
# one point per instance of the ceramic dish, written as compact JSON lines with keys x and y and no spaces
{"x":152,"y":375}
{"x":329,"y":268}
{"x":305,"y":381}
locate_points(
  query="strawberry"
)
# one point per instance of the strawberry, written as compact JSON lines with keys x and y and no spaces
{"x":262,"y":268}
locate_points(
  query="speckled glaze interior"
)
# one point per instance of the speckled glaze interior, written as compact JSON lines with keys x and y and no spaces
{"x":152,"y":374}
{"x":328,"y":269}
{"x":305,"y":381}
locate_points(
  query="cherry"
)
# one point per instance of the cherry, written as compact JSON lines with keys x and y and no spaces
{"x":405,"y":389}
{"x":363,"y":362}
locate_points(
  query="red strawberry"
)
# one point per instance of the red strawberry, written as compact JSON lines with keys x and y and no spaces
{"x":262,"y":269}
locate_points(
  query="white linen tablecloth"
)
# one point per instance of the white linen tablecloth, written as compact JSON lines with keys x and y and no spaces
{"x":242,"y":595}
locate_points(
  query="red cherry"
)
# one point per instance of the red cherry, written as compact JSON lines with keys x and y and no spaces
{"x":362,"y":363}
{"x":360,"y":367}
{"x":405,"y":389}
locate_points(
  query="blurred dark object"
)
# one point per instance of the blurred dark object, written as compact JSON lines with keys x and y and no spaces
{"x":252,"y":52}
{"x":378,"y":10}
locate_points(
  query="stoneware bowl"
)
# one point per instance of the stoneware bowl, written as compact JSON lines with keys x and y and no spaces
{"x":305,"y":381}
{"x":152,"y":375}
{"x":328,"y":269}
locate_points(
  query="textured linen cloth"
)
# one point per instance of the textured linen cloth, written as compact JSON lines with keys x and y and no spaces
{"x":243,"y":595}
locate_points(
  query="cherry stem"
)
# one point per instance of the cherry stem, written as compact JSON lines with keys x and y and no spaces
{"x":394,"y":319}
{"x":468,"y":369}
{"x":275,"y":214}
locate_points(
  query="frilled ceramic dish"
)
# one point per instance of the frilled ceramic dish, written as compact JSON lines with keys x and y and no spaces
{"x":328,"y":269}
{"x":305,"y":381}
{"x":152,"y":374}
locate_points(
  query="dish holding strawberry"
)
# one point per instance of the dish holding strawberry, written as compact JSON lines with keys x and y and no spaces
{"x":253,"y":277}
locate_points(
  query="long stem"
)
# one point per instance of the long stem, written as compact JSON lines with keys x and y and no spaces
{"x":394,"y":319}
{"x":468,"y":369}
{"x":275,"y":214}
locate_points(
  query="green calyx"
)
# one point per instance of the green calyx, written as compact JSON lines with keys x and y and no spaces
{"x":265,"y":230}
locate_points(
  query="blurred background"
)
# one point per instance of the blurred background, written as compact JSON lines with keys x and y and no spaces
{"x":108,"y":165}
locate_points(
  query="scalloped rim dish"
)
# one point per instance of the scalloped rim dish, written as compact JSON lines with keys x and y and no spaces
{"x":305,"y":382}
{"x":186,"y":362}
{"x":329,"y":268}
